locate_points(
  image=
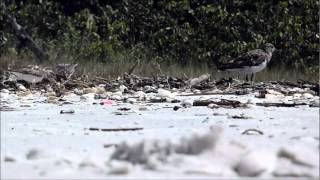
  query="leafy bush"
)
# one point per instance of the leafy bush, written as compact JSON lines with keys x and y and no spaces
{"x":182,"y":31}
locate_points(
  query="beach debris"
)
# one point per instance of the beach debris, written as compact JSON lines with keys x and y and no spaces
{"x":107,"y":102}
{"x":279,"y":104}
{"x":163,"y":93}
{"x":6,"y":108}
{"x":186,"y":103}
{"x":124,"y":109}
{"x":175,"y":108}
{"x":198,"y":80}
{"x":116,"y":129}
{"x":252,"y":131}
{"x":241,"y":116}
{"x":68,"y":111}
{"x":221,"y":103}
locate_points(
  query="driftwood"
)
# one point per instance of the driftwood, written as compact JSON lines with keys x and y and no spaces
{"x":26,"y":40}
{"x":116,"y":129}
{"x":282,"y":104}
{"x":222,"y":102}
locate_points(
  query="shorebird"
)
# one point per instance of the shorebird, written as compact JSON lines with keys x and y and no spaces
{"x":249,"y":63}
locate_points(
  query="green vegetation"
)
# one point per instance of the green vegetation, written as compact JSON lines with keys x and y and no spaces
{"x":166,"y":32}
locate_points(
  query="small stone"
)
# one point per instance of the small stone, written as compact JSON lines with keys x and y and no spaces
{"x":175,"y":108}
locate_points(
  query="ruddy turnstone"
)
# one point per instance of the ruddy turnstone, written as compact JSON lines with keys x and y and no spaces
{"x":250,"y":62}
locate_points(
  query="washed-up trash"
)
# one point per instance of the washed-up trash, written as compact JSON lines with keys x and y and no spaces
{"x":116,"y":129}
{"x":107,"y":102}
{"x":241,"y":116}
{"x":252,"y":132}
{"x":69,"y":111}
{"x":124,"y":109}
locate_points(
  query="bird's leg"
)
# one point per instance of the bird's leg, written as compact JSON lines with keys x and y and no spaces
{"x":247,"y":78}
{"x":252,"y":77}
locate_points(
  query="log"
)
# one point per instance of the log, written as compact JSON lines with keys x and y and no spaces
{"x":282,"y":104}
{"x":26,"y":39}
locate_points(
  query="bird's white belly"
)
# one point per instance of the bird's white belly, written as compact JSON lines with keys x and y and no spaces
{"x":248,"y":69}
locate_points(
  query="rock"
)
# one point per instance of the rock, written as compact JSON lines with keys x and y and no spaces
{"x":165,"y":94}
{"x":52,"y":99}
{"x":123,"y":88}
{"x":92,"y":90}
{"x":131,"y":100}
{"x":198,"y":80}
{"x":307,"y":95}
{"x":186,"y":103}
{"x":315,"y":103}
{"x":4,"y":95}
{"x":5,"y":91}
{"x":175,"y":108}
{"x":116,"y":97}
{"x":78,"y":91}
{"x":213,"y":106}
{"x":255,"y":163}
{"x":87,"y":97}
{"x":100,"y":90}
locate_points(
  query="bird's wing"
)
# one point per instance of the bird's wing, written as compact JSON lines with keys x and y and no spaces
{"x":251,"y":58}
